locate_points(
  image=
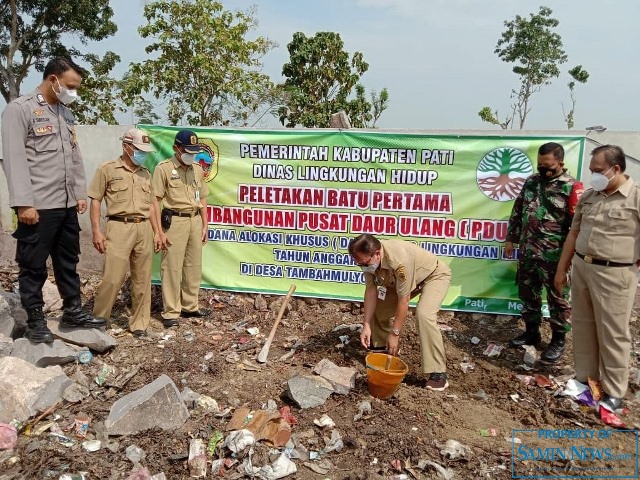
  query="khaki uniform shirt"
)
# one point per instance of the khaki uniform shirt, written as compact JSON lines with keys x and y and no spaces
{"x":126,"y":193}
{"x":41,"y":157}
{"x":403,"y":267}
{"x":609,"y":224}
{"x":179,"y":188}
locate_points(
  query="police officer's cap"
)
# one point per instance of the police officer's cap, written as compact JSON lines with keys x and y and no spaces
{"x":187,"y":140}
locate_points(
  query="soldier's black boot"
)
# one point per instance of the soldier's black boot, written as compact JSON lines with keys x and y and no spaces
{"x":531,"y":336}
{"x":555,"y":350}
{"x":74,"y":317}
{"x":37,"y":330}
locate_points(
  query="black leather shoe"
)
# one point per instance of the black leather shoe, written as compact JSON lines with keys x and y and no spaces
{"x":37,"y":330}
{"x":170,"y":322}
{"x":74,"y":316}
{"x":611,"y":403}
{"x":555,"y":350}
{"x":195,"y":314}
{"x":527,"y":338}
{"x":140,"y":334}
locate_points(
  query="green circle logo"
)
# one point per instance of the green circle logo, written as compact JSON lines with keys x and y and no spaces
{"x":502,"y":172}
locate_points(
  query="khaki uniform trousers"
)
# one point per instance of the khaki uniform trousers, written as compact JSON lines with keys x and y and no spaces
{"x":432,"y":293}
{"x":601,"y":302}
{"x":181,"y":267}
{"x":129,"y":246}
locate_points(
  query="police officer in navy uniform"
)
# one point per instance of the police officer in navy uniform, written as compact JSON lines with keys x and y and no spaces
{"x":47,"y":189}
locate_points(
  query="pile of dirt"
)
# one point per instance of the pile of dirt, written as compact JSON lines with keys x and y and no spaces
{"x":215,"y":356}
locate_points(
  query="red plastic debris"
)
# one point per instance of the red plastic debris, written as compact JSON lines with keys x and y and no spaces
{"x":285,"y":413}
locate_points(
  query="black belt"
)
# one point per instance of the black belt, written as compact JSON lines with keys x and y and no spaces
{"x":184,"y":214}
{"x":121,"y":218}
{"x":604,"y":263}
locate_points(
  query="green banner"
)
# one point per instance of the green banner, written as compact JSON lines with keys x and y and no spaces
{"x":283,"y":206}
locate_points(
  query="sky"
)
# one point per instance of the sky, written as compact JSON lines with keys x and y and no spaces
{"x":436,"y":57}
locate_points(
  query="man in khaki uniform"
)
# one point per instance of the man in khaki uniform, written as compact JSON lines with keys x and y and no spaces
{"x":394,"y":272}
{"x":132,"y":219}
{"x":179,"y":184}
{"x":47,"y":189}
{"x":605,"y":237}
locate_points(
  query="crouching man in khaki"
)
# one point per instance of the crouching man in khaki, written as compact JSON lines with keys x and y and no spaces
{"x":132,"y":220}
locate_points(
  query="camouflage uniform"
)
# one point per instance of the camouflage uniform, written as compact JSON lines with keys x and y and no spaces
{"x":539,"y":223}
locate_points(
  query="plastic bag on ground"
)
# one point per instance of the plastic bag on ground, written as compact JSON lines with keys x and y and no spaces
{"x":281,"y":468}
{"x":8,"y":436}
{"x":454,"y":450}
{"x":238,"y":440}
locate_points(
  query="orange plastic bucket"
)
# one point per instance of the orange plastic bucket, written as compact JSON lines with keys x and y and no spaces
{"x":384,"y":374}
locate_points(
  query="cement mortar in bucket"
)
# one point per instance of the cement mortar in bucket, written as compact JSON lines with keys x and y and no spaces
{"x":384,"y":374}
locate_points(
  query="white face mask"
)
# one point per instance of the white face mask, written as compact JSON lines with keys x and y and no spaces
{"x":65,"y":95}
{"x":600,"y":181}
{"x":370,"y":268}
{"x":187,"y":158}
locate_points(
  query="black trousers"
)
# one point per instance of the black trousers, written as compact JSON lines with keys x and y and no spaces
{"x":57,"y":234}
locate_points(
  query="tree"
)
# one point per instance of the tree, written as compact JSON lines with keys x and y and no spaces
{"x":203,"y":66}
{"x":99,"y":93}
{"x":32,"y":31}
{"x":144,"y":113}
{"x":379,"y":102}
{"x":320,"y":78}
{"x":578,"y":74}
{"x":536,"y":52}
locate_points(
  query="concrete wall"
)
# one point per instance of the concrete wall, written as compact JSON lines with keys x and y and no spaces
{"x":101,"y":143}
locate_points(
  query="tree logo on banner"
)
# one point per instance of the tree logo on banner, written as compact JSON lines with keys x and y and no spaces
{"x":502,"y":172}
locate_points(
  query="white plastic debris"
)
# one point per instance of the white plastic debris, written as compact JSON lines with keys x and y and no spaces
{"x":197,"y":459}
{"x":324,"y":421}
{"x":363,"y":407}
{"x":253,"y":331}
{"x":445,"y":473}
{"x":135,"y":454}
{"x":573,"y":388}
{"x":238,"y":440}
{"x":333,"y":444}
{"x":475,"y":340}
{"x":454,"y":450}
{"x":493,"y":350}
{"x":281,"y":468}
{"x":91,"y":445}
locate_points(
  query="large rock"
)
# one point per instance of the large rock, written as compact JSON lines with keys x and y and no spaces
{"x":93,"y":338}
{"x":6,"y":344}
{"x":157,"y":404}
{"x":13,"y":318}
{"x":309,"y":391}
{"x":343,"y":379}
{"x":44,"y":354}
{"x":25,"y":388}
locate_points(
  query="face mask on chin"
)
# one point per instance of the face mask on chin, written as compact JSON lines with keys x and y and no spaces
{"x":600,"y":181}
{"x":65,"y":95}
{"x":370,"y":268}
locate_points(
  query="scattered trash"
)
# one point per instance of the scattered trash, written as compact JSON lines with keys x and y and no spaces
{"x":352,"y":326}
{"x":214,"y":441}
{"x":81,"y":425}
{"x":238,"y":440}
{"x":542,"y":381}
{"x":596,"y":389}
{"x":73,"y":476}
{"x":363,"y":408}
{"x":85,"y":356}
{"x":105,"y":372}
{"x":197,"y":459}
{"x":488,"y":432}
{"x":480,"y":395}
{"x":281,"y":468}
{"x":444,"y":328}
{"x":285,"y":412}
{"x":515,"y":397}
{"x":610,"y":418}
{"x":396,"y":464}
{"x":475,"y":340}
{"x":135,"y":454}
{"x":91,"y":445}
{"x":526,"y":379}
{"x":333,"y":444}
{"x":344,"y":339}
{"x":467,"y":367}
{"x":324,"y":421}
{"x":8,"y":436}
{"x":189,"y":336}
{"x":253,"y":331}
{"x":454,"y":450}
{"x":493,"y":350}
{"x":208,"y":356}
{"x":515,"y":440}
{"x":141,"y":473}
{"x":445,"y":473}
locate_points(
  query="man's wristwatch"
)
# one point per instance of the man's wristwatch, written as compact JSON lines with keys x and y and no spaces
{"x":395,"y":331}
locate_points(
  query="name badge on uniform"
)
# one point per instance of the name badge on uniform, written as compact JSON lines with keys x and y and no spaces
{"x":382,"y":293}
{"x":197,"y":195}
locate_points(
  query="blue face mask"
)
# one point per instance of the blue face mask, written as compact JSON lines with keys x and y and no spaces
{"x":139,"y":157}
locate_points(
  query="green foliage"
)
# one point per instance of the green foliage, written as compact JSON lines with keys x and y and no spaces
{"x":489,"y":116}
{"x":536,"y":51}
{"x":98,"y":92}
{"x":578,"y":74}
{"x":143,"y":113}
{"x":33,"y":31}
{"x":202,"y":63}
{"x":320,"y":79}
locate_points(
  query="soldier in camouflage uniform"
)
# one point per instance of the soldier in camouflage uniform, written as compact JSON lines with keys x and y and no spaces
{"x":539,"y":224}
